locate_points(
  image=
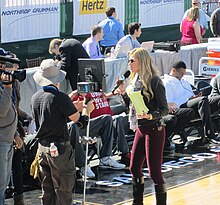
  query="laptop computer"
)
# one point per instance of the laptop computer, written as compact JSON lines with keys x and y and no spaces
{"x":148,"y":45}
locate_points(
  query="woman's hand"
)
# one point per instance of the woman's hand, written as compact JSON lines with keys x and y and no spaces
{"x":145,"y":115}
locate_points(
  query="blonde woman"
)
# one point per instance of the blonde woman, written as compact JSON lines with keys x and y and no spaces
{"x":190,"y":28}
{"x":150,"y":133}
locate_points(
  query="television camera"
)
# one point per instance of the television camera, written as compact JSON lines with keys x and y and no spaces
{"x":7,"y":62}
{"x":91,"y":75}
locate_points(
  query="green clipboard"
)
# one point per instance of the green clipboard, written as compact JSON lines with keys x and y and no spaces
{"x":138,"y":102}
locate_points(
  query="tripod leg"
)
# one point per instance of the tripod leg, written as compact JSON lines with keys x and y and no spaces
{"x":84,"y":187}
{"x":86,"y":166}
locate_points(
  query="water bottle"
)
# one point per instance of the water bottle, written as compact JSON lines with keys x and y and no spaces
{"x":53,"y":150}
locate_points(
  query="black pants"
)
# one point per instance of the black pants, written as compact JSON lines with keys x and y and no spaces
{"x":17,"y":171}
{"x":178,"y":120}
{"x":106,"y":49}
{"x":214,"y":102}
{"x":202,"y":109}
{"x":184,"y":115}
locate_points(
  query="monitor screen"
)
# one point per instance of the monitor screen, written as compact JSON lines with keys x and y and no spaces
{"x":92,"y":70}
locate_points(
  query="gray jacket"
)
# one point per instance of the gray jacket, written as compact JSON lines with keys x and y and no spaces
{"x":8,"y":116}
{"x":215,"y":22}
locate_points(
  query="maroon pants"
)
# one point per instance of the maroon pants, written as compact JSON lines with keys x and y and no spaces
{"x":148,"y":145}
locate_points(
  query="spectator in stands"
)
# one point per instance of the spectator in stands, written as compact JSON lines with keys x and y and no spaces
{"x":51,"y":110}
{"x":179,"y":94}
{"x":202,"y":16}
{"x":215,"y":21}
{"x":8,"y":133}
{"x":108,"y":127}
{"x":113,"y":31}
{"x":91,"y":45}
{"x":68,"y":51}
{"x":129,"y":42}
{"x":150,"y":133}
{"x":190,"y":28}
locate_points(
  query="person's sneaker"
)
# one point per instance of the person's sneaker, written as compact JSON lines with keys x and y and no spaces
{"x":125,"y":159}
{"x":89,"y":174}
{"x":110,"y":163}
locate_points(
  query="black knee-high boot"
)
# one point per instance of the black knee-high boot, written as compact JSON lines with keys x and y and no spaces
{"x":161,"y":194}
{"x":138,"y":190}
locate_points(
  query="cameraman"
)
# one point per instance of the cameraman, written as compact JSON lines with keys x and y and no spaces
{"x":17,"y":167}
{"x":8,"y":134}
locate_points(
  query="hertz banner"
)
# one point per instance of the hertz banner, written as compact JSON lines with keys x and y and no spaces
{"x":87,"y":13}
{"x":29,"y":20}
{"x":92,"y":7}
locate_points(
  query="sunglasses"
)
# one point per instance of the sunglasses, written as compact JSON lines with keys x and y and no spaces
{"x":195,"y":3}
{"x":131,"y":60}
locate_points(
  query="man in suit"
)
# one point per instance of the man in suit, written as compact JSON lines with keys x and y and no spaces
{"x":67,"y":52}
{"x":215,"y":21}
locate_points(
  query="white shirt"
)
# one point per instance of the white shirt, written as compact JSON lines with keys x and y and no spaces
{"x":177,"y":91}
{"x":124,"y":45}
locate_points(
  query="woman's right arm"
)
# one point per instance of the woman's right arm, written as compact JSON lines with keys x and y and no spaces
{"x":181,"y":27}
{"x":197,"y":31}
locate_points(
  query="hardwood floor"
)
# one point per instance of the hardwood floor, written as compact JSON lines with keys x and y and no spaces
{"x":196,"y":183}
{"x":201,"y":191}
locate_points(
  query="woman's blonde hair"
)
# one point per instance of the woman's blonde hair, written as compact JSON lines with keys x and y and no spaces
{"x":146,"y":70}
{"x":53,"y":43}
{"x":193,"y":14}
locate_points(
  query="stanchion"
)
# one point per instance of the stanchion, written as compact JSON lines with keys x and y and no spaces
{"x":86,"y":140}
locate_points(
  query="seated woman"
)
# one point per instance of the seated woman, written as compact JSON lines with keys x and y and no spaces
{"x":190,"y":28}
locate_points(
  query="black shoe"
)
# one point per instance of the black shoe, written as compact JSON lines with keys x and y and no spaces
{"x":179,"y":148}
{"x":125,"y":159}
{"x":189,"y":147}
{"x":169,"y":150}
{"x":214,"y":139}
{"x":201,"y":142}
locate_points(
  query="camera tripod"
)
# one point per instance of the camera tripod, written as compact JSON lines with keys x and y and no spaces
{"x":86,"y":140}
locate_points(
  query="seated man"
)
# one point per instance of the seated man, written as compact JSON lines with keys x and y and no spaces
{"x":106,"y":126}
{"x":180,"y":95}
{"x":91,"y":45}
{"x":128,"y":42}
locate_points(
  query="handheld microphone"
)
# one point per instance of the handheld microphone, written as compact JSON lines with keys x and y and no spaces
{"x":121,"y":80}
